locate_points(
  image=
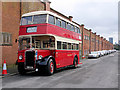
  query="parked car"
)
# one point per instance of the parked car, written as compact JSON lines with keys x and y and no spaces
{"x":101,"y":53}
{"x":93,"y":55}
{"x":105,"y":52}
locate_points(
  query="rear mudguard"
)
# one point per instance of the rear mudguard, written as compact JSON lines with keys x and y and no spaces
{"x":44,"y":61}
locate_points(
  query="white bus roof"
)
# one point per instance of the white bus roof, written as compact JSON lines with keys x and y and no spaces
{"x":48,"y":12}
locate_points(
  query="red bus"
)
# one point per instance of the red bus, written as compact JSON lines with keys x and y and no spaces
{"x":47,"y":42}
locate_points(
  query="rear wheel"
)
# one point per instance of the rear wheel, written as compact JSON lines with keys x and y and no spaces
{"x":50,"y":67}
{"x":75,"y":62}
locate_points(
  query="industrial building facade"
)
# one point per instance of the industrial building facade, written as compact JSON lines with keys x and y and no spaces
{"x":11,"y":15}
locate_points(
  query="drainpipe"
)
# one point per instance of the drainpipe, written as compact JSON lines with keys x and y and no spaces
{"x":20,"y":8}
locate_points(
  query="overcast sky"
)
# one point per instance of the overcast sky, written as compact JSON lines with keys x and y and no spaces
{"x":99,"y":15}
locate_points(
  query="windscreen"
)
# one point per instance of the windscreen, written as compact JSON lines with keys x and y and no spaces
{"x":24,"y":43}
{"x":36,"y":42}
{"x":36,"y":19}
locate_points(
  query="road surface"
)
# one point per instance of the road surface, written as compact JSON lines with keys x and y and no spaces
{"x":94,"y":73}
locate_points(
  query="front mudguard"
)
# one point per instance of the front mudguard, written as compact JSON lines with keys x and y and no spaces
{"x":43,"y":61}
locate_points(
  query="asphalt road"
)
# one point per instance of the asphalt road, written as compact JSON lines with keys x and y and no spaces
{"x":94,"y":73}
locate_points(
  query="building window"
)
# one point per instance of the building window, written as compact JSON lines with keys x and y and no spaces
{"x":84,"y":36}
{"x":51,"y":19}
{"x":93,"y":39}
{"x":6,"y":39}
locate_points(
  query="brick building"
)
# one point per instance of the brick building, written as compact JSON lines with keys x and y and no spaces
{"x":11,"y":22}
{"x":86,"y":40}
{"x":92,"y":42}
{"x":100,"y":43}
{"x":11,"y":14}
{"x":97,"y":42}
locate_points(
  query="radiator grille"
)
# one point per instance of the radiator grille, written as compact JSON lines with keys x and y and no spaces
{"x":30,"y":56}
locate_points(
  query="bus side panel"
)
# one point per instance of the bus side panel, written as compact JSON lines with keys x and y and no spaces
{"x":59,"y":57}
{"x":52,"y":29}
{"x":65,"y":57}
{"x":69,"y":57}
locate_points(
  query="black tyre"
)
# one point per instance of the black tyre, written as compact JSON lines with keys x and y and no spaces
{"x":75,"y":62}
{"x":50,"y":67}
{"x":21,"y":69}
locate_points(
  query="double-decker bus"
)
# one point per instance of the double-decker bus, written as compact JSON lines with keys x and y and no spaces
{"x":47,"y":42}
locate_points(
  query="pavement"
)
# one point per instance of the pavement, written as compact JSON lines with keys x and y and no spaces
{"x":11,"y":70}
{"x":94,"y":73}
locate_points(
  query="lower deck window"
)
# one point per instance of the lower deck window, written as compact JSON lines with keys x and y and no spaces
{"x":69,"y":45}
{"x":64,"y":45}
{"x":37,"y":44}
{"x":58,"y":45}
{"x":47,"y":44}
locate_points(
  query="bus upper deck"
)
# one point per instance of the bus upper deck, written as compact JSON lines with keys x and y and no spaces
{"x":45,"y":22}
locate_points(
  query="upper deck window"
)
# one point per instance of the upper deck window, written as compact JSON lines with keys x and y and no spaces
{"x":26,"y":20}
{"x":76,"y":29}
{"x":72,"y":28}
{"x":37,"y":19}
{"x":51,"y":19}
{"x":63,"y":24}
{"x":68,"y":26}
{"x":58,"y":22}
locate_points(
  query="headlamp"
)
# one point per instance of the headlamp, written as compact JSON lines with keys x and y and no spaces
{"x":40,"y":57}
{"x":20,"y":57}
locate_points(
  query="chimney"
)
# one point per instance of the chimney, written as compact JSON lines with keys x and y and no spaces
{"x":82,"y":25}
{"x":90,"y":30}
{"x":47,"y":5}
{"x":70,"y":18}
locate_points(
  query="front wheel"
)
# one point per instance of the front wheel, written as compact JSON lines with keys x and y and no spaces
{"x":21,"y":69}
{"x":75,"y":62}
{"x":50,"y":67}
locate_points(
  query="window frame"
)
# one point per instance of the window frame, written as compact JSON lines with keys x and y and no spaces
{"x":62,"y":24}
{"x":58,"y":19}
{"x":53,"y":18}
{"x":68,"y":24}
{"x":6,"y":39}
